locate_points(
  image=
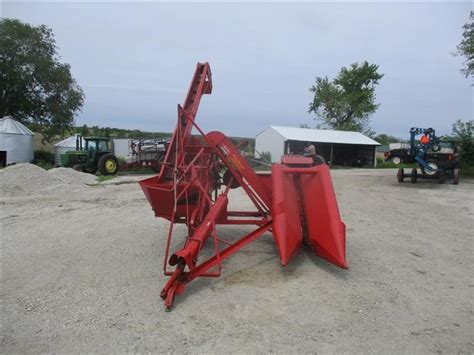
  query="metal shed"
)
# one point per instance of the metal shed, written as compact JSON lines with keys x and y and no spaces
{"x":337,"y":147}
{"x":16,"y":142}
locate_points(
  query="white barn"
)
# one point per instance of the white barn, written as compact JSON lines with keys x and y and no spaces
{"x":337,"y":147}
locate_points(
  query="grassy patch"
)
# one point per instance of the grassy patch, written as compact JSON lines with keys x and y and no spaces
{"x":102,"y":178}
{"x":44,"y":164}
{"x":466,"y":170}
{"x":381,"y":164}
{"x":137,"y":171}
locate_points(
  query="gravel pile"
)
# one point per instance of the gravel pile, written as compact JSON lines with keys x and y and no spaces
{"x":71,"y":176}
{"x":29,"y":179}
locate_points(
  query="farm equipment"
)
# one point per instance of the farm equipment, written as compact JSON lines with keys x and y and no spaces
{"x":435,"y":156}
{"x":146,"y":153}
{"x":296,"y":202}
{"x":97,"y":154}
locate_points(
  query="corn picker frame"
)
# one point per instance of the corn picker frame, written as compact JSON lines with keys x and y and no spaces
{"x":296,"y":202}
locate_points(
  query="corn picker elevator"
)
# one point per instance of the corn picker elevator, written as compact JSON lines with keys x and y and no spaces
{"x":296,"y":202}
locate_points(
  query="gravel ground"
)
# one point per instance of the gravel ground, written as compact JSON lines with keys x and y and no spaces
{"x":81,"y":272}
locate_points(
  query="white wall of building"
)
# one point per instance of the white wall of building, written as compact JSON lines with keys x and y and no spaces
{"x":16,"y":140}
{"x":271,"y":141}
{"x":19,"y":147}
{"x":122,"y":147}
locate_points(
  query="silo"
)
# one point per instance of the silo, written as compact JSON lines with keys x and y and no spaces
{"x":16,"y":141}
{"x":64,"y":146}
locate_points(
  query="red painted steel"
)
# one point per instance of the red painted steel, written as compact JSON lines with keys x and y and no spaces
{"x":287,"y":229}
{"x":296,"y":160}
{"x":240,"y":169}
{"x":296,"y":202}
{"x":326,"y":231}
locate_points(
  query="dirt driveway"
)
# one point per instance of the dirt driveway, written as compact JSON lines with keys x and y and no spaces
{"x":81,"y":272}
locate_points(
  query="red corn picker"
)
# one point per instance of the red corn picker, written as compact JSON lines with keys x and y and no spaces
{"x":296,"y":202}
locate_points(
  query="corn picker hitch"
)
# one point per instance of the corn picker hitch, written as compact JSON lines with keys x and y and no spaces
{"x":296,"y":202}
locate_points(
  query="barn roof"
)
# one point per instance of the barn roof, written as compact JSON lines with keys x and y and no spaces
{"x":323,"y":136}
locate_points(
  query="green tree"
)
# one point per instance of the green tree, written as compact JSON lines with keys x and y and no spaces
{"x":347,"y":102}
{"x":466,"y":47}
{"x":464,"y":133}
{"x":96,"y":131}
{"x":107,"y":131}
{"x":35,"y":87}
{"x":84,"y":131}
{"x":386,"y":139}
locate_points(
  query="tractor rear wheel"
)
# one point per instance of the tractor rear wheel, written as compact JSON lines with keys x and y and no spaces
{"x":108,"y":164}
{"x":455,"y":176}
{"x":400,"y":175}
{"x":414,"y":175}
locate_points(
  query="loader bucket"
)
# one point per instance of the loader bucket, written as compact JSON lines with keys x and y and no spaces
{"x":304,"y":206}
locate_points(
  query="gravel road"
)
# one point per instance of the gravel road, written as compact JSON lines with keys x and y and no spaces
{"x":81,"y":272}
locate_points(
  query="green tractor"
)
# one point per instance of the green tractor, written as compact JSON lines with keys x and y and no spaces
{"x":97,"y":154}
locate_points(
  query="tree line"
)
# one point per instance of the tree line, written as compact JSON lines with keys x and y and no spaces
{"x":111,"y":132}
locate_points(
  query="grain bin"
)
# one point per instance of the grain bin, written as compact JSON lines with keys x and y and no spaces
{"x":16,"y":141}
{"x":65,"y":146}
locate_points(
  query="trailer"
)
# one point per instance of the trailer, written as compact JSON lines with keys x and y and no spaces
{"x":145,"y":153}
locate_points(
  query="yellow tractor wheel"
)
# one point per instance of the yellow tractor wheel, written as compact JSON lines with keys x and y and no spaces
{"x":108,"y":164}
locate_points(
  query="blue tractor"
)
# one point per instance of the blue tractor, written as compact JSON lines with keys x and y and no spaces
{"x":436,"y":157}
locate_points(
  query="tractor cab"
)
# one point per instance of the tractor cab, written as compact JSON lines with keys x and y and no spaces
{"x":97,"y":146}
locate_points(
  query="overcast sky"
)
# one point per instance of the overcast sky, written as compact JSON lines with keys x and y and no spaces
{"x":134,"y":61}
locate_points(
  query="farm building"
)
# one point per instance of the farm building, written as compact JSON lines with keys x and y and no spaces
{"x":337,"y":147}
{"x":16,"y":142}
